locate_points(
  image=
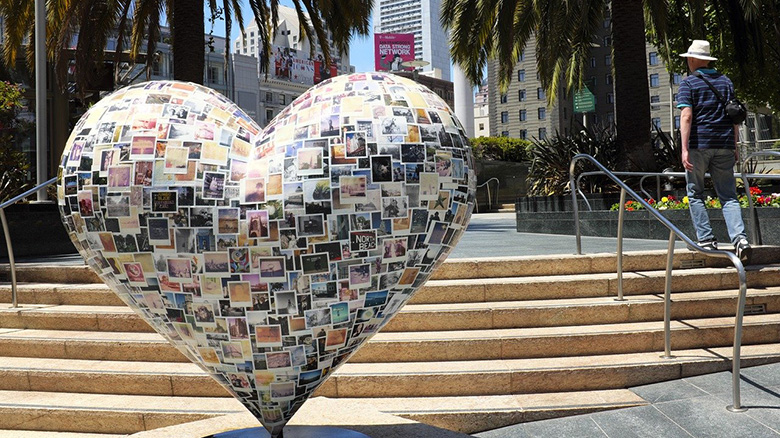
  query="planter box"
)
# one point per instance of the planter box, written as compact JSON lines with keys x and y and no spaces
{"x":512,"y":181}
{"x":36,"y":230}
{"x":642,"y":225}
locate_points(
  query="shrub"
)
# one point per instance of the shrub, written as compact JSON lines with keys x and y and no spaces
{"x":500,"y":148}
{"x":551,"y":157}
{"x":14,"y":165}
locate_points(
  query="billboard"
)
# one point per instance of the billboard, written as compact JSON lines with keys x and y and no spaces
{"x":296,"y":66}
{"x":391,"y":49}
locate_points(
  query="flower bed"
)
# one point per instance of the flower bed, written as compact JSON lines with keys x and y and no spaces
{"x":672,"y":203}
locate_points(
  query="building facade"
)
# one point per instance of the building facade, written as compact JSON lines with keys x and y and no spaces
{"x":482,"y":112}
{"x":420,"y":18}
{"x":292,"y":71}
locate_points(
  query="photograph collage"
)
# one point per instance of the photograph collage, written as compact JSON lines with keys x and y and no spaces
{"x":269,"y":255}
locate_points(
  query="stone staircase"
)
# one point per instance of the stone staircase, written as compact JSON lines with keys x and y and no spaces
{"x":486,"y":343}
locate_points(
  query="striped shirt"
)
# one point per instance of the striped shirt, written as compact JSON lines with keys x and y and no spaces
{"x":711,"y":127}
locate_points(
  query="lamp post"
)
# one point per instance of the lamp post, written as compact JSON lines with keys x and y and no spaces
{"x":41,"y":121}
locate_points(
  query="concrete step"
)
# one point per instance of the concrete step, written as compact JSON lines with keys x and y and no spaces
{"x":528,"y":376}
{"x":518,"y":343}
{"x":71,"y":317}
{"x":107,"y":377}
{"x":567,"y":264}
{"x":589,"y":285}
{"x":472,"y":414}
{"x":436,"y":317}
{"x":575,"y":311}
{"x":90,"y":345}
{"x":89,"y":294}
{"x":105,"y":413}
{"x":50,"y":273}
{"x":5,"y":433}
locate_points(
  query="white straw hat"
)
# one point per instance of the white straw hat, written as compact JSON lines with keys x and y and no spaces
{"x":699,"y":49}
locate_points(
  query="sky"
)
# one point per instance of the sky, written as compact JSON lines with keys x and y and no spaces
{"x":361,"y":49}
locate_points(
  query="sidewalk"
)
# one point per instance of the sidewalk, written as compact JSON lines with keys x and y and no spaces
{"x":495,"y":235}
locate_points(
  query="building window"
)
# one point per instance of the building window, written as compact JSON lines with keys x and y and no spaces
{"x":593,"y":62}
{"x":523,"y":116}
{"x":540,"y":93}
{"x":521,"y":76}
{"x":542,"y":133}
{"x":607,"y":59}
{"x":213,"y":75}
{"x":523,"y":134}
{"x":654,"y":80}
{"x":610,"y":118}
{"x":607,"y":41}
{"x":608,"y":79}
{"x":282,"y":99}
{"x":481,"y":126}
{"x":542,"y":113}
{"x":505,"y":133}
{"x":676,"y":78}
{"x":521,"y":95}
{"x":610,"y":98}
{"x":522,"y":56}
{"x":656,"y":122}
{"x":269,"y":114}
{"x":503,"y":98}
{"x":655,"y":98}
{"x":269,"y":97}
{"x":504,"y":116}
{"x":653,"y":58}
{"x":676,"y":122}
{"x":674,"y":97}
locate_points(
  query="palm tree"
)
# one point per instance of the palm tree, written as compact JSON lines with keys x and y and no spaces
{"x":564,"y":32}
{"x":98,"y":20}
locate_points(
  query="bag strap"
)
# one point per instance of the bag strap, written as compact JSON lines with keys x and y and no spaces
{"x":698,"y":74}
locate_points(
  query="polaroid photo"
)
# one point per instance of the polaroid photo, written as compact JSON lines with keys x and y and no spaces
{"x":213,"y":185}
{"x":117,"y":205}
{"x":142,"y":147}
{"x":216,"y":263}
{"x":310,"y":225}
{"x":232,"y":352}
{"x":257,"y":223}
{"x":176,"y":160}
{"x":286,"y":304}
{"x":352,"y":189}
{"x":179,"y":270}
{"x":271,"y":269}
{"x":395,"y":207}
{"x":239,"y":260}
{"x":159,"y":231}
{"x":335,"y":339}
{"x":119,"y":177}
{"x":355,"y":144}
{"x":315,"y":263}
{"x":278,"y":360}
{"x":239,"y":293}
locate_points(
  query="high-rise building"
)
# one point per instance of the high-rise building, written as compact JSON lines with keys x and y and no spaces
{"x":420,"y":18}
{"x":482,"y":112}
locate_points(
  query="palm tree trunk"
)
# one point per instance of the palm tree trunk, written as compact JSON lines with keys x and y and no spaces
{"x":632,"y":94}
{"x":188,"y":43}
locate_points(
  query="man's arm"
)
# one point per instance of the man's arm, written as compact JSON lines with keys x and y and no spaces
{"x":686,"y":121}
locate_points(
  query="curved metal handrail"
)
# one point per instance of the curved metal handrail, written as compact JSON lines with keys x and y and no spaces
{"x":745,"y":176}
{"x":674,"y":233}
{"x":14,"y":200}
{"x":490,"y":202}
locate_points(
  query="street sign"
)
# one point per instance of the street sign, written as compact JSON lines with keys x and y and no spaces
{"x":584,"y":101}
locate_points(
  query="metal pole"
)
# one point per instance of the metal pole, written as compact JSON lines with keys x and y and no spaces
{"x":668,"y":298}
{"x":621,"y":215}
{"x":10,"y":257}
{"x":573,"y":188}
{"x":735,"y":377}
{"x":41,"y":121}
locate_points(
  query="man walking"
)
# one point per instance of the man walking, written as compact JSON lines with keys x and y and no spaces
{"x":709,"y":140}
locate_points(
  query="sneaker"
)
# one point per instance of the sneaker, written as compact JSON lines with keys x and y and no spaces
{"x":743,"y":250}
{"x":710,"y":244}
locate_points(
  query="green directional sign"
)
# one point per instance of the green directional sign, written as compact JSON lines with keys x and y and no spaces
{"x":584,"y":101}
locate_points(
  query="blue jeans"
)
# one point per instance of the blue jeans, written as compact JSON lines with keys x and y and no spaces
{"x":720,"y":164}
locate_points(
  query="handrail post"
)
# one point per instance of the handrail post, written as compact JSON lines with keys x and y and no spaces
{"x":573,"y":188}
{"x":621,"y":216}
{"x":735,"y":372}
{"x":10,"y":258}
{"x":668,"y":298}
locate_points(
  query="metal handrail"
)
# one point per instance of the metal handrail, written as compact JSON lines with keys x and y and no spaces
{"x":14,"y":200}
{"x":753,"y":219}
{"x":486,"y":183}
{"x":674,"y":233}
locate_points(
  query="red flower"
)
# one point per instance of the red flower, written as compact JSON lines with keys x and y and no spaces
{"x":755,"y":191}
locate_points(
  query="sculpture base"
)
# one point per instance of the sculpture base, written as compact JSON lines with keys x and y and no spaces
{"x":292,"y":432}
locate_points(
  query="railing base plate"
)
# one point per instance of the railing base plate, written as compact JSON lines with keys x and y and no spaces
{"x":731,"y":408}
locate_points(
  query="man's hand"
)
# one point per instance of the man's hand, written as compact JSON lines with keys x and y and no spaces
{"x":687,"y":164}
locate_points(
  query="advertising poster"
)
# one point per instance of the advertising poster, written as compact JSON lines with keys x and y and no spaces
{"x":296,"y":66}
{"x":392,"y":49}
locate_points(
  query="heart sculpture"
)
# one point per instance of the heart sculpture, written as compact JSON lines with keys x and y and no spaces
{"x":268,"y":257}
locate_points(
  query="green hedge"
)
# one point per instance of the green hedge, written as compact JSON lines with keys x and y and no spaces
{"x":500,"y":148}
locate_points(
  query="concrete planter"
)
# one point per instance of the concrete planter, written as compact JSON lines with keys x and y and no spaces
{"x":36,"y":230}
{"x":512,"y":181}
{"x":642,"y":225}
